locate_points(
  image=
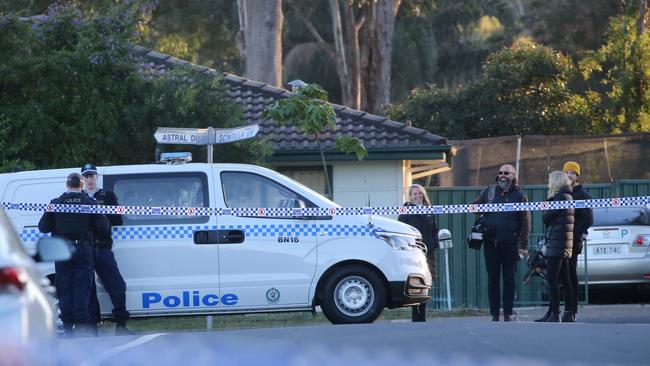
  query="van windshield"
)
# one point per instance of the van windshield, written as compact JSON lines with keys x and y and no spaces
{"x":620,"y":216}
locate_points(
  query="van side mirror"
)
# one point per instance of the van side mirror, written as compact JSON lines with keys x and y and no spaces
{"x":53,"y":250}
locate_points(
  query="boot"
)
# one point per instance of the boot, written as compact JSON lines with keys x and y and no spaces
{"x":568,"y":317}
{"x":121,"y":329}
{"x":85,"y":330}
{"x":419,"y":313}
{"x":544,"y":318}
{"x":553,"y":318}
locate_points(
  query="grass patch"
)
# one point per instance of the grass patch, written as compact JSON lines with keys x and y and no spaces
{"x":267,"y":320}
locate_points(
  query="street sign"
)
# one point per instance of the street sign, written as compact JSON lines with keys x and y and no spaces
{"x":225,"y":135}
{"x":204,"y":136}
{"x":182,"y":136}
{"x":445,"y":244}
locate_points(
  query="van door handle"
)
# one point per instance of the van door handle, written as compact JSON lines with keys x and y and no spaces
{"x":206,"y":237}
{"x":231,"y":236}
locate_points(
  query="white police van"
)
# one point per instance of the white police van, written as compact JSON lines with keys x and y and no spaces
{"x":351,"y":266}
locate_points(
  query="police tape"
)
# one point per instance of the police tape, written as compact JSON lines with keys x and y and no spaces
{"x":328,"y":211}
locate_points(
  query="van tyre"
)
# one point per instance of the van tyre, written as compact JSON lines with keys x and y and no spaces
{"x":353,"y":294}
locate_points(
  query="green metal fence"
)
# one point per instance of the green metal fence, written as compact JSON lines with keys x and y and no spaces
{"x":468,"y":278}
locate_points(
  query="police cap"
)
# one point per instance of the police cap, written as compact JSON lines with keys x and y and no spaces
{"x":88,"y":169}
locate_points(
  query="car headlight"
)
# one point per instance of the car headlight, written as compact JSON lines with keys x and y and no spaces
{"x":398,"y":242}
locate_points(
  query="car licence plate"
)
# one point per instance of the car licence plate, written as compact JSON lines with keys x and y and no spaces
{"x":608,"y":250}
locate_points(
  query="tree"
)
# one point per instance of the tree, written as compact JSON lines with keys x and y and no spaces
{"x":362,"y":48}
{"x":570,"y":26}
{"x":260,"y":39}
{"x":522,"y":90}
{"x":307,"y":109}
{"x":621,"y":70}
{"x":71,"y":92}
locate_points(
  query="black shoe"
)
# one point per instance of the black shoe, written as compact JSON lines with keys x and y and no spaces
{"x":544,"y":318}
{"x":84,"y":330}
{"x":568,"y":317}
{"x":553,"y":318}
{"x":495,"y":318}
{"x":121,"y":329}
{"x":507,"y":318}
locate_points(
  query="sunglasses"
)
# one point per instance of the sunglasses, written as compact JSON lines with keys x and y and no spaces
{"x":505,"y":173}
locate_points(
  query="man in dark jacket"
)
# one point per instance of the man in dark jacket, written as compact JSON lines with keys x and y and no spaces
{"x":506,"y":240}
{"x":105,"y":264}
{"x":584,"y":218}
{"x":74,"y":277}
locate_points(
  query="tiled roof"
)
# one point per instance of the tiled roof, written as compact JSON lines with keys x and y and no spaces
{"x":376,"y":132}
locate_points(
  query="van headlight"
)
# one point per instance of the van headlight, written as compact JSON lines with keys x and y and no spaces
{"x":397,"y":241}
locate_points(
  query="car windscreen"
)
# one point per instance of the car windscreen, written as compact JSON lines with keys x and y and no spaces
{"x":619,"y":216}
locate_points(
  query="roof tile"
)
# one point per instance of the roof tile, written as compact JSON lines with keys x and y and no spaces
{"x":376,"y":132}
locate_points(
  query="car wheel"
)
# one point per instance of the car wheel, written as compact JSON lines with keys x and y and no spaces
{"x":353,"y":294}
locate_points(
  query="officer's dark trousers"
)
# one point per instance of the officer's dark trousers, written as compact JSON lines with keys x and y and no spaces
{"x":573,"y":279}
{"x":557,"y":272}
{"x":501,"y":260}
{"x":109,"y":274}
{"x":419,"y":312}
{"x":74,"y":281}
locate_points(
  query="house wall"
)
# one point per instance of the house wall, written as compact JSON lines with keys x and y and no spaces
{"x":356,"y":184}
{"x":369,"y":183}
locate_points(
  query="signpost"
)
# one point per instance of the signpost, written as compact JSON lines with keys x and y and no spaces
{"x":445,"y":243}
{"x":204,"y":136}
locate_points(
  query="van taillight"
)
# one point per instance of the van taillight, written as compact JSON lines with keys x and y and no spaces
{"x":12,"y":278}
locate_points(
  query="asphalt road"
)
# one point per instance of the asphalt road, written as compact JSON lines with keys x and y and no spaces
{"x":604,"y":335}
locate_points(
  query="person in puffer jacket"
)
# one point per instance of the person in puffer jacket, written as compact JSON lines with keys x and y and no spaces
{"x":559,"y":244}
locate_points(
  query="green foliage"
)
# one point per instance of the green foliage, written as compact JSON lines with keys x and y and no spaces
{"x":522,"y":90}
{"x":305,"y":109}
{"x":351,"y":145}
{"x":620,"y":68}
{"x":308,"y":111}
{"x":570,"y":26}
{"x":71,"y":92}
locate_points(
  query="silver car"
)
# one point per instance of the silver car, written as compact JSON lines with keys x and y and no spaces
{"x":27,"y":327}
{"x":617,"y":247}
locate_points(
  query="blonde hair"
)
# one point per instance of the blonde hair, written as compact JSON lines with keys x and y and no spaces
{"x":425,"y":197}
{"x":557,"y":180}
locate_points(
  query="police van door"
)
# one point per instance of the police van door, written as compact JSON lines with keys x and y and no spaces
{"x":164,"y":269}
{"x":267,"y":261}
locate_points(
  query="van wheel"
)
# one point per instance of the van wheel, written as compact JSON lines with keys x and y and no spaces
{"x":353,"y":294}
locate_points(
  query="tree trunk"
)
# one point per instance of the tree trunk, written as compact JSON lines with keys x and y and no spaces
{"x":261,"y":26}
{"x":385,"y":12}
{"x":352,"y":27}
{"x":341,"y":59}
{"x":643,"y":16}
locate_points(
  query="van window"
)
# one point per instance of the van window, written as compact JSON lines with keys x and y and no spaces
{"x":241,"y":190}
{"x":160,"y":190}
{"x":620,"y":216}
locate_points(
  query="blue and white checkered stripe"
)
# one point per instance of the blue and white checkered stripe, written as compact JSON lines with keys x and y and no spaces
{"x":170,"y":232}
{"x":332,"y":211}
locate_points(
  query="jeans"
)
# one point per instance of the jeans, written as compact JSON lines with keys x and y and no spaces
{"x":501,"y":260}
{"x":557,"y":271}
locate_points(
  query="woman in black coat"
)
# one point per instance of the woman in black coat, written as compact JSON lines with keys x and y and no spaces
{"x":426,"y":224}
{"x":559,"y":244}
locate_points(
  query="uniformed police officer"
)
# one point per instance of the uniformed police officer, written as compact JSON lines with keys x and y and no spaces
{"x":74,"y":277}
{"x":105,"y":264}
